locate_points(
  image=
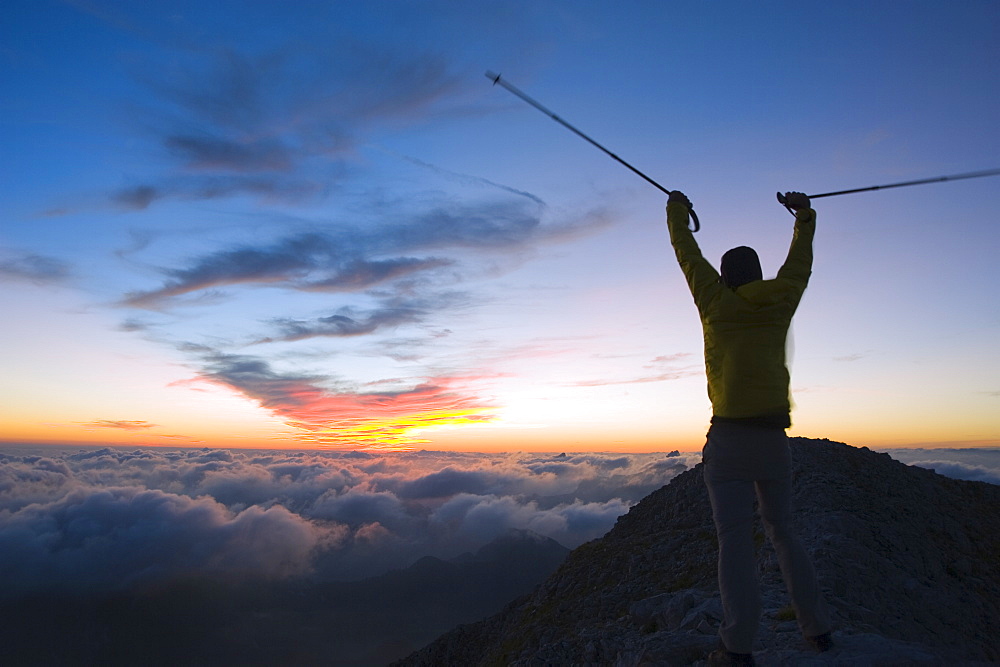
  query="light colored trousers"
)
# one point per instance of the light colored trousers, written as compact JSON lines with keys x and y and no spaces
{"x":740,"y":460}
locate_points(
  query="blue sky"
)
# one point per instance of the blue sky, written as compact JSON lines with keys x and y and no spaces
{"x":318,"y":224}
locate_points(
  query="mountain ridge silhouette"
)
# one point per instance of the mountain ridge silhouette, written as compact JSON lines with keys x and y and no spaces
{"x":909,"y":561}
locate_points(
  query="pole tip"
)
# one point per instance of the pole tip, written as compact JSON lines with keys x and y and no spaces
{"x":493,"y":76}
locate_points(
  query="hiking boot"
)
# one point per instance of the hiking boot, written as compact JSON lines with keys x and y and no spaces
{"x":821,"y":643}
{"x":720,"y":657}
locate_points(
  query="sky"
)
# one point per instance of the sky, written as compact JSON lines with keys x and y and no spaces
{"x":317,"y":225}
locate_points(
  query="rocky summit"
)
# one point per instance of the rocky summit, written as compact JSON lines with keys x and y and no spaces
{"x":909,"y":562}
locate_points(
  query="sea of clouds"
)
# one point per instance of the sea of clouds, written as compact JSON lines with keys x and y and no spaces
{"x":111,"y":518}
{"x":105,"y":519}
{"x":973,"y":464}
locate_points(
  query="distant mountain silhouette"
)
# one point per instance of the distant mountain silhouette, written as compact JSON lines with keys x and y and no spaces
{"x":369,"y":622}
{"x":909,"y":561}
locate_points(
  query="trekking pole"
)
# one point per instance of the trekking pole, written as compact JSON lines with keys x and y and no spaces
{"x":922,"y":181}
{"x":495,"y":78}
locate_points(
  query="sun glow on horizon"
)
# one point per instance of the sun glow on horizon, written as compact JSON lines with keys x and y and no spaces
{"x":391,"y":433}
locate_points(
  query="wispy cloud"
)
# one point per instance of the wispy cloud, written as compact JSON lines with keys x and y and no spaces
{"x":857,"y":356}
{"x":351,"y":321}
{"x":123,"y":424}
{"x":272,"y":189}
{"x":347,"y":259}
{"x":282,"y":123}
{"x":661,"y":377}
{"x":665,"y":368}
{"x":343,"y":324}
{"x":32,"y":267}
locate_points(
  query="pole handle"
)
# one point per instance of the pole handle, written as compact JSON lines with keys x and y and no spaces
{"x":784,"y":202}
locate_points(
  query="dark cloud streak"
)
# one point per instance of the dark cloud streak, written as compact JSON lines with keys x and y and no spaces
{"x":32,"y":267}
{"x":215,"y":153}
{"x":342,"y":324}
{"x":277,"y":124}
{"x":342,"y":259}
{"x":289,"y":188}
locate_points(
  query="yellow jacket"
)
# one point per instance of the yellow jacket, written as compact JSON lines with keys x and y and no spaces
{"x":745,"y":329}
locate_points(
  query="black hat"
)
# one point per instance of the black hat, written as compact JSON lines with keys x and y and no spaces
{"x":740,"y":266}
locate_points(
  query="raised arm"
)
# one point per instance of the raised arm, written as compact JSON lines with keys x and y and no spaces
{"x":701,"y":276}
{"x":798,"y":265}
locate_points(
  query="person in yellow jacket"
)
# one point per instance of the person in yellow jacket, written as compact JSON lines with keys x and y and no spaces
{"x":745,"y":321}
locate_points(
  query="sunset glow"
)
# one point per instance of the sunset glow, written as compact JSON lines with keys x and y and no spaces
{"x":391,"y":433}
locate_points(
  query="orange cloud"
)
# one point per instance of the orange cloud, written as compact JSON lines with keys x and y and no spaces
{"x":388,"y":433}
{"x":380,"y":420}
{"x":124,"y":424}
{"x":374,"y":420}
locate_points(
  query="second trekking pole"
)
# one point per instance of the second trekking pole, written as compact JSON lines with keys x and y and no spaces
{"x":922,"y":181}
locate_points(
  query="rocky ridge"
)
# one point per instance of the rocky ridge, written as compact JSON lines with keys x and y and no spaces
{"x":909,"y":561}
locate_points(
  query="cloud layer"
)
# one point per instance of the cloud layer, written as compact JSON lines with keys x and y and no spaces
{"x":972,"y":464}
{"x":111,"y":519}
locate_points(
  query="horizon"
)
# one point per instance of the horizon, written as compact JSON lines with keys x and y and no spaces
{"x":42,"y":445}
